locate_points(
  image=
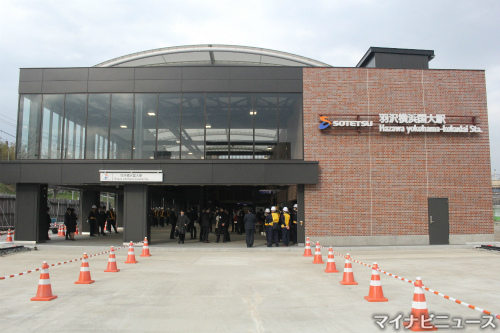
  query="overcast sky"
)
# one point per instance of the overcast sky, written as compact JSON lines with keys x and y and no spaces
{"x":463,"y":34}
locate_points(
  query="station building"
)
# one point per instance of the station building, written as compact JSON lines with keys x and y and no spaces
{"x":388,"y":152}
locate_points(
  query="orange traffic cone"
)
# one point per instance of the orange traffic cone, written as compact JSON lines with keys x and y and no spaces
{"x":44,"y":292}
{"x":131,"y":255}
{"x":419,"y":317}
{"x":330,"y":263}
{"x":112,"y":262}
{"x":375,"y":293}
{"x":105,"y":226}
{"x":9,"y":236}
{"x":348,"y":278}
{"x":307,"y":250}
{"x":145,"y":248}
{"x":76,"y":230}
{"x":318,"y":259}
{"x":60,"y":231}
{"x":85,"y":272}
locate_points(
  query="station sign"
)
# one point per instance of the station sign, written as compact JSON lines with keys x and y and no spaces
{"x":131,"y":176}
{"x":403,"y":123}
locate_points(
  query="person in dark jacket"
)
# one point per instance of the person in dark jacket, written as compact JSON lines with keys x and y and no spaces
{"x":67,"y":217}
{"x":111,"y":218}
{"x":182,"y":222}
{"x":205,"y":225}
{"x":47,"y":223}
{"x":92,"y":219}
{"x":172,"y":219}
{"x":249,"y":220}
{"x":101,"y":220}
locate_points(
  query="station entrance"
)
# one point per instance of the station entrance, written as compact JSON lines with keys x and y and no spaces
{"x":165,"y":202}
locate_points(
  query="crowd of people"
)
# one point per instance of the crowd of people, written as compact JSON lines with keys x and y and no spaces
{"x":279,"y":224}
{"x":97,"y":218}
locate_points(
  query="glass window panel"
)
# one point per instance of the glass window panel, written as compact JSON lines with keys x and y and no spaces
{"x":266,"y":126}
{"x":169,"y":124}
{"x":29,"y":126}
{"x":97,"y":126}
{"x":290,"y":127}
{"x":217,"y":126}
{"x":121,"y":127}
{"x":52,"y":126}
{"x":145,"y":126}
{"x":75,"y":111}
{"x":241,"y":140}
{"x":193,"y":126}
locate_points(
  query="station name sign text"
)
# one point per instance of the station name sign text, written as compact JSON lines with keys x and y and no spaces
{"x":404,"y":123}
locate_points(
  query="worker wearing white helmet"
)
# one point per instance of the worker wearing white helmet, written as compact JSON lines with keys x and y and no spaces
{"x":275,"y":217}
{"x":268,"y":223}
{"x":285,"y":226}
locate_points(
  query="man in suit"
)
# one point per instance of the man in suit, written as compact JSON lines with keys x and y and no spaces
{"x":249,"y":221}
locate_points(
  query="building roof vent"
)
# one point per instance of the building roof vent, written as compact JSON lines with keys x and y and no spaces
{"x":385,"y":57}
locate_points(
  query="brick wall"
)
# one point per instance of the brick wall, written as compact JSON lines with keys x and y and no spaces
{"x":377,"y":184}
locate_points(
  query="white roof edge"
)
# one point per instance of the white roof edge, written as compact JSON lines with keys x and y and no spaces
{"x":213,"y":48}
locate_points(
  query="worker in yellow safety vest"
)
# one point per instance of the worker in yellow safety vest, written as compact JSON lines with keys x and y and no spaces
{"x":285,"y":226}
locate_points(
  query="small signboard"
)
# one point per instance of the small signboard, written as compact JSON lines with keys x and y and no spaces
{"x":131,"y":176}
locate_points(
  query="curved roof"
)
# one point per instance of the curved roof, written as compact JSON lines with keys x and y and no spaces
{"x":211,"y":55}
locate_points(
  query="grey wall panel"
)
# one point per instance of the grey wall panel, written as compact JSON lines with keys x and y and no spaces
{"x":135,"y":212}
{"x":65,"y":74}
{"x":238,"y":174}
{"x":110,"y":74}
{"x":253,"y":86}
{"x":10,"y":172}
{"x":252,"y":73}
{"x":290,"y":86}
{"x":205,"y":73}
{"x":34,"y":87}
{"x":415,"y":62}
{"x":158,"y":73}
{"x":158,"y":86}
{"x":205,"y":85}
{"x":187,"y":174}
{"x":291,"y":173}
{"x":41,"y":173}
{"x":80,"y":173}
{"x":111,"y":86}
{"x":287,"y":73}
{"x":60,"y":87}
{"x":30,"y":74}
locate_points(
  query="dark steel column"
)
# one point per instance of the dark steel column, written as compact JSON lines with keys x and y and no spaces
{"x":31,"y":210}
{"x":135,"y":212}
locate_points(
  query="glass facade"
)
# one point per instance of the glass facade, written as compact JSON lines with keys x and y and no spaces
{"x":161,"y":126}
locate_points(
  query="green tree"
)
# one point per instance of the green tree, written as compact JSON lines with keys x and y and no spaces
{"x":7,"y":150}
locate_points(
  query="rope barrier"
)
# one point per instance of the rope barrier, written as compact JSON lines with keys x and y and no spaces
{"x":423,"y":287}
{"x":64,"y":262}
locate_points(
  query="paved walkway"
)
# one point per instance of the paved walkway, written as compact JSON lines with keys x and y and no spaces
{"x":228,"y":288}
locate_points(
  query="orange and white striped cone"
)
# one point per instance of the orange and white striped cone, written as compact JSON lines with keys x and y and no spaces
{"x":145,"y":248}
{"x":131,"y":255}
{"x":85,"y":272}
{"x":105,"y":226}
{"x":112,"y":262}
{"x":318,"y":259}
{"x":419,"y":317}
{"x":375,"y":294}
{"x":60,"y":231}
{"x":76,"y":230}
{"x":44,"y":292}
{"x":9,"y":236}
{"x":307,"y":250}
{"x":348,"y":278}
{"x":330,"y":263}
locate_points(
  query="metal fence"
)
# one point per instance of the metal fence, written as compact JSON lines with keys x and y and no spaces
{"x":57,"y":209}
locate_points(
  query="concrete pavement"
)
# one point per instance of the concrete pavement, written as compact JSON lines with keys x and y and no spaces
{"x":229,"y":288}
